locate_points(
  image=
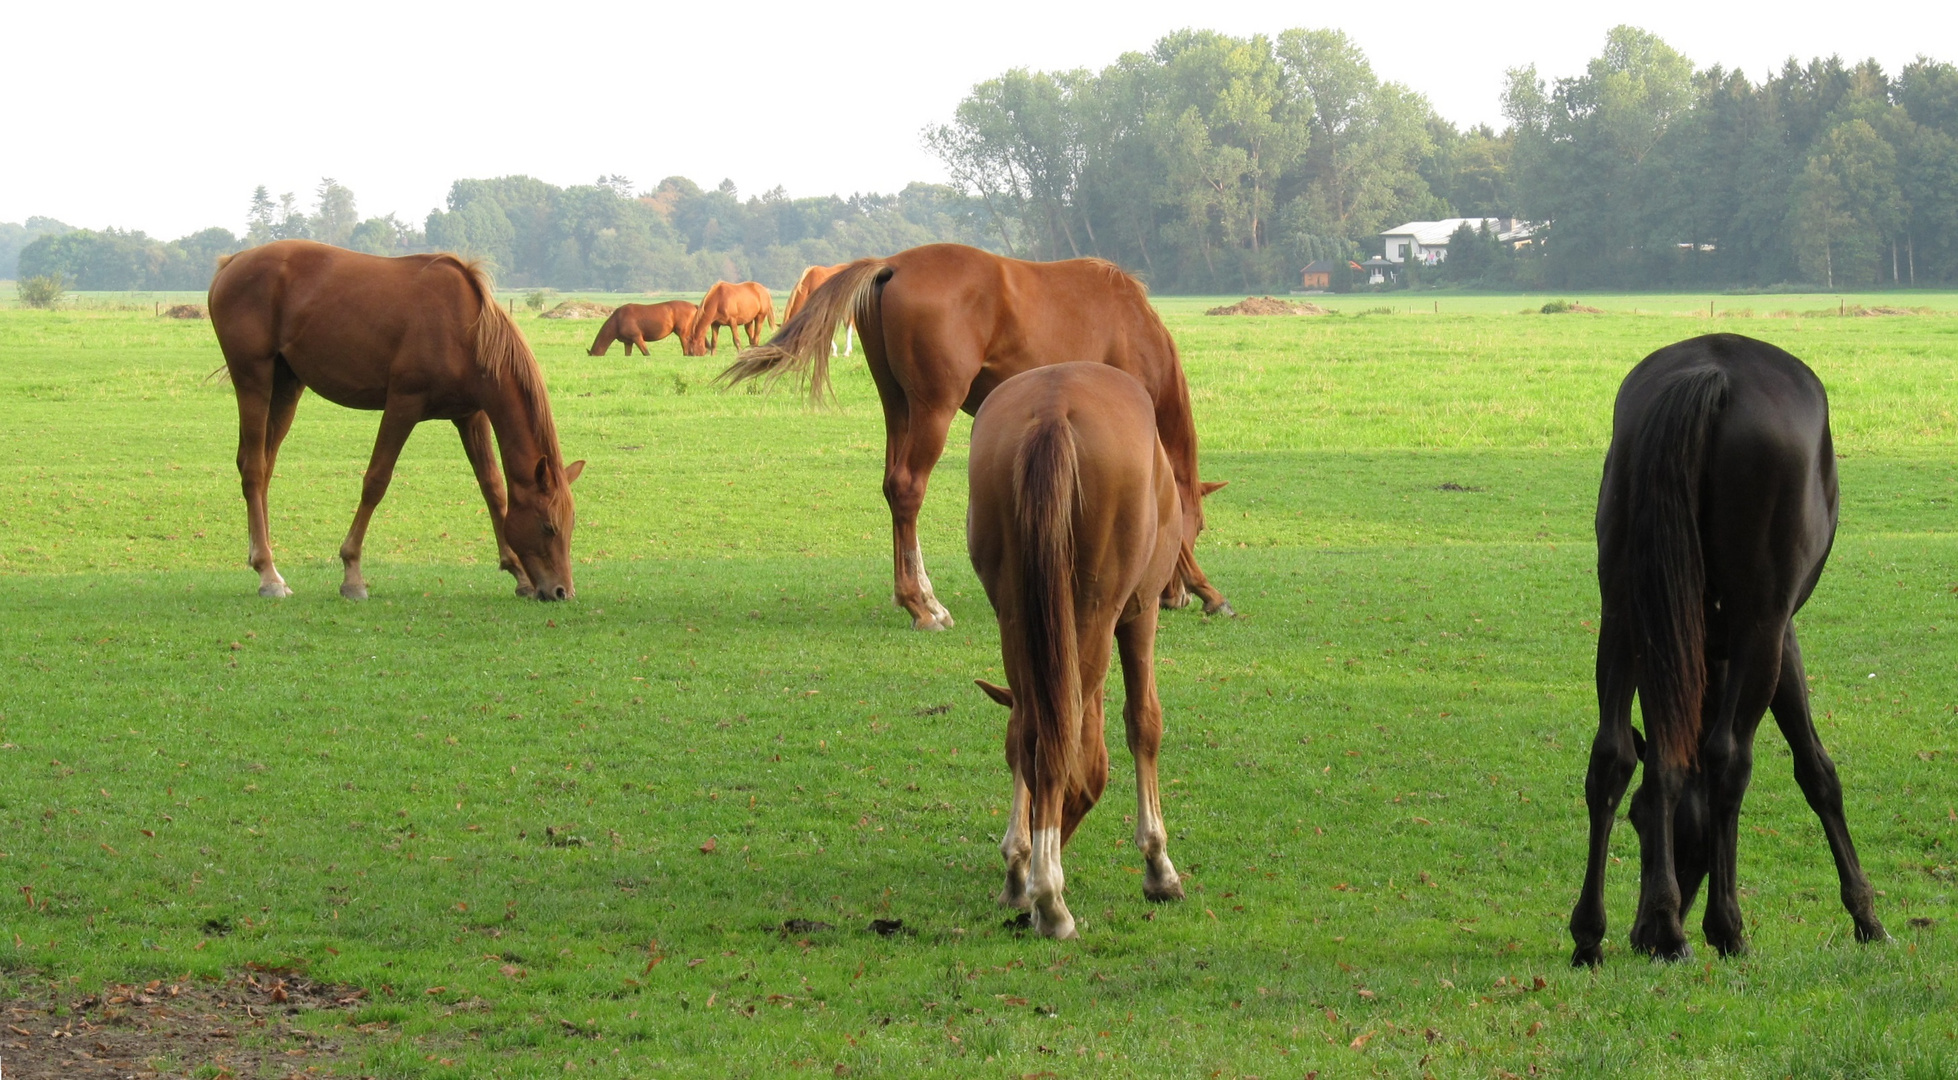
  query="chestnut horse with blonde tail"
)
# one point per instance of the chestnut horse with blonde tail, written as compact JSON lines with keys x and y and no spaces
{"x":735,"y":305}
{"x":944,"y":324}
{"x":636,"y":324}
{"x":809,"y":282}
{"x":418,"y":337}
{"x":1074,"y":528}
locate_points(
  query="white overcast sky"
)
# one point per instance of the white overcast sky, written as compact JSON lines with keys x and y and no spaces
{"x":163,"y":118}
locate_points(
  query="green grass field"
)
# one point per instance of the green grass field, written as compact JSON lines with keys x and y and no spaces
{"x":490,"y":814}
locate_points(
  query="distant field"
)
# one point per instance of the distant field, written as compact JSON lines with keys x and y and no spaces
{"x":490,"y":815}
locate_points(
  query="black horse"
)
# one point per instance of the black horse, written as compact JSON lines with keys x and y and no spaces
{"x":1716,"y":514}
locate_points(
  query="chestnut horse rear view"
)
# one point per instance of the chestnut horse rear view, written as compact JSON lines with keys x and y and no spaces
{"x":942,"y":325}
{"x":417,"y":338}
{"x":1716,"y":514}
{"x":811,"y":280}
{"x":1075,"y":527}
{"x":735,"y":305}
{"x":636,"y":324}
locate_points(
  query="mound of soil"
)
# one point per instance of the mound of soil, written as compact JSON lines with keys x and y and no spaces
{"x":577,"y":309}
{"x":185,"y":311}
{"x":236,"y":1027}
{"x":1267,"y":305}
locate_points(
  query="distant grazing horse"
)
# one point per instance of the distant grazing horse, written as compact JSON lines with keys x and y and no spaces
{"x":1717,"y":511}
{"x":1074,"y":528}
{"x":418,"y":338}
{"x":636,"y":324}
{"x":735,"y":305}
{"x":942,"y":325}
{"x":810,"y":280}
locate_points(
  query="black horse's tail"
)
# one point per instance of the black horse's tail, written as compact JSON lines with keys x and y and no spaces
{"x":1668,"y":569}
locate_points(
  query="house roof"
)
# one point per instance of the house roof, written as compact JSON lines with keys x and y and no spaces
{"x":1436,"y":233}
{"x":1321,"y":266}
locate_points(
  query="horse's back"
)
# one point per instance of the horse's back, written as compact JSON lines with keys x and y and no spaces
{"x":1767,"y":478}
{"x":1003,"y":316}
{"x":343,"y":319}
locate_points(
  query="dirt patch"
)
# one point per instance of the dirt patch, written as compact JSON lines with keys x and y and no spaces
{"x":241,"y":1027}
{"x":577,"y":309}
{"x":1267,"y":305}
{"x":185,"y":311}
{"x":1561,"y":307}
{"x":1859,"y":310}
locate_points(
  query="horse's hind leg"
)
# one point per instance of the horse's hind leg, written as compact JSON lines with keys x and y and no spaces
{"x":397,"y":423}
{"x":915,"y":439}
{"x":258,"y":387}
{"x":1746,"y":684}
{"x":1142,"y":714}
{"x":1016,"y":844}
{"x":1816,"y":774}
{"x":476,"y":444}
{"x":1614,"y":757}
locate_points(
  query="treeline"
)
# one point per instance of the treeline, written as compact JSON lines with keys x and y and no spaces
{"x":1214,"y":163}
{"x":677,"y":236}
{"x":681,"y":236}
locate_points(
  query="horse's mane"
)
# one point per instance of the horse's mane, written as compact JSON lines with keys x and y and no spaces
{"x":502,"y":352}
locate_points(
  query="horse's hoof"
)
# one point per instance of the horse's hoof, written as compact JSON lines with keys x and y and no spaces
{"x":1873,"y":932}
{"x":1016,"y":901}
{"x":931,"y":622}
{"x":354,"y":592}
{"x":1587,"y":956}
{"x":1164,"y":892}
{"x":275,"y":590}
{"x":1173,"y":603}
{"x":1223,"y":608}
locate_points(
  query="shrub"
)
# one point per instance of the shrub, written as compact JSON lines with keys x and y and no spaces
{"x":537,"y":298}
{"x":43,"y":290}
{"x":1557,"y":307}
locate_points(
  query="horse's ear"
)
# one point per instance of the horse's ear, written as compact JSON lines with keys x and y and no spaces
{"x":543,"y":475}
{"x":998,"y":693}
{"x":572,"y":471}
{"x":1211,"y":487}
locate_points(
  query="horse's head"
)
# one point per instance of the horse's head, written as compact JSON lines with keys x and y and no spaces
{"x":1193,"y":510}
{"x":538,"y":524}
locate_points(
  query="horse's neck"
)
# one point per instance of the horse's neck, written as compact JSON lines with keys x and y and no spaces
{"x":522,"y":437}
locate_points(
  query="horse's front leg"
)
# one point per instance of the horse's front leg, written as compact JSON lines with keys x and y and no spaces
{"x":476,"y":435}
{"x":398,"y":421}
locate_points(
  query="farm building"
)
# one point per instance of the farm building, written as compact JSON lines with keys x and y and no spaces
{"x":1426,"y":242}
{"x":1318,"y":275}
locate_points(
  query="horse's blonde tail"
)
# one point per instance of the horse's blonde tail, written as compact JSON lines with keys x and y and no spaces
{"x":802,"y":346}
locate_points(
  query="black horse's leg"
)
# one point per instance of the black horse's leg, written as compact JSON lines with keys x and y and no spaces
{"x":1614,"y":756}
{"x":1816,"y":774}
{"x":1752,"y":671}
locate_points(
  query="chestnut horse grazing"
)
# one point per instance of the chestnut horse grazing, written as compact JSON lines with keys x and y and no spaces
{"x":418,"y":338}
{"x":811,"y":279}
{"x":1075,"y":528}
{"x":1717,"y":511}
{"x":942,"y":325}
{"x":636,"y":324}
{"x":734,"y":305}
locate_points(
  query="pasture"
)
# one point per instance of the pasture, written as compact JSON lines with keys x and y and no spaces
{"x":648,"y":832}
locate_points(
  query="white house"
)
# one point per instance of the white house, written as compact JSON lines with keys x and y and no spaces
{"x":1426,"y":242}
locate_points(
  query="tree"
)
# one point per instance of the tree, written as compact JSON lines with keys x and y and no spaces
{"x":334,"y":216}
{"x":1848,"y":207}
{"x":261,"y":227}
